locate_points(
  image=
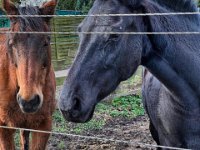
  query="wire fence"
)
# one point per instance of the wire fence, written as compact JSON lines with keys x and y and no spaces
{"x":109,"y":15}
{"x":70,"y":33}
{"x":131,"y":143}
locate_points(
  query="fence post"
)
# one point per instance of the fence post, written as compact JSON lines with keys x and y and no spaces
{"x":55,"y":38}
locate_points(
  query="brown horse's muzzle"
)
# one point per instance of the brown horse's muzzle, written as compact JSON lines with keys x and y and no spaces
{"x":29,"y":106}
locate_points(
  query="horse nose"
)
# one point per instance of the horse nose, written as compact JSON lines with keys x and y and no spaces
{"x":29,"y":106}
{"x":75,"y":109}
{"x":72,"y":110}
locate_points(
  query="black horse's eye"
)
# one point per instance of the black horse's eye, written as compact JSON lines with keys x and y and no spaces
{"x":114,"y":36}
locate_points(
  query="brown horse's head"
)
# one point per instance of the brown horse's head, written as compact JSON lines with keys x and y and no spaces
{"x":30,"y":53}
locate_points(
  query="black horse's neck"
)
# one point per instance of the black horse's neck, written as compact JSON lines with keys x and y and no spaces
{"x":175,"y":82}
{"x":174,"y":59}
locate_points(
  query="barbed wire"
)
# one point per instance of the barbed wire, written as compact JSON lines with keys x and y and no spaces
{"x":107,"y":15}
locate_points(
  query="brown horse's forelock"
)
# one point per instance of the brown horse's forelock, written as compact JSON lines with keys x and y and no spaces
{"x":33,"y":23}
{"x":26,"y":24}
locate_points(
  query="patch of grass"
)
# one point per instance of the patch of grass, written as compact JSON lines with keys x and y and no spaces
{"x":60,"y":81}
{"x":104,"y":108}
{"x":94,"y":124}
{"x":136,"y":78}
{"x":59,"y":123}
{"x":17,"y":138}
{"x":127,"y":106}
{"x":61,"y":145}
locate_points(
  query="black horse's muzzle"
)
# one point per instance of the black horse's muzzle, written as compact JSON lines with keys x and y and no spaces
{"x":76,"y":111}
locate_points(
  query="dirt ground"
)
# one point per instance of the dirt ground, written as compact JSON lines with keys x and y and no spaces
{"x":135,"y":129}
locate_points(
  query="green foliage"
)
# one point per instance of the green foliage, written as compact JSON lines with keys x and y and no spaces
{"x":80,"y":5}
{"x":17,"y":138}
{"x":84,"y":5}
{"x":60,"y":81}
{"x":59,"y":123}
{"x":127,"y":106}
{"x":61,"y":145}
{"x":66,"y":5}
{"x":91,"y":125}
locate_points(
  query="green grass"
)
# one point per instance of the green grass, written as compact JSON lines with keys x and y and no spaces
{"x":60,"y":81}
{"x":61,"y":145}
{"x":59,"y":123}
{"x":17,"y":138}
{"x":126,"y":106}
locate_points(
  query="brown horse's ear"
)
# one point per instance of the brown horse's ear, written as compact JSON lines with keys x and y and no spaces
{"x":10,"y":8}
{"x":48,"y":8}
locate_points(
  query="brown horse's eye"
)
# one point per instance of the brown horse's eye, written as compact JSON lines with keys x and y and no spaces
{"x":46,"y":44}
{"x":44,"y":66}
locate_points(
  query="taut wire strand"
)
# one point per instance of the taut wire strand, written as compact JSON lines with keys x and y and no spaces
{"x":107,"y":15}
{"x":132,"y":143}
{"x":126,"y":33}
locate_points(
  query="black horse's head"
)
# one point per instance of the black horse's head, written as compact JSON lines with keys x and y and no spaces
{"x":103,"y":60}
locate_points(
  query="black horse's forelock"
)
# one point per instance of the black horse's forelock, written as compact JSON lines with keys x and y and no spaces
{"x":32,"y":23}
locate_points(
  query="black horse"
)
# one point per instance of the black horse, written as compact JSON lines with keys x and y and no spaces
{"x":172,"y":99}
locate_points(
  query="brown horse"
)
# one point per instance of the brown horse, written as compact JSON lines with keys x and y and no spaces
{"x":27,"y":80}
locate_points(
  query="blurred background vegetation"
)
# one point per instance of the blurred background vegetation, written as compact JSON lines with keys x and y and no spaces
{"x":79,"y":5}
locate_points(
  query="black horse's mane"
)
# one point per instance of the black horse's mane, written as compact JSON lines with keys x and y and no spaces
{"x":172,"y":5}
{"x":30,"y":23}
{"x":179,"y":5}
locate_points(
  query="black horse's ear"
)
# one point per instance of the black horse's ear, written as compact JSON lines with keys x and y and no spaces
{"x":10,"y":8}
{"x":48,"y":8}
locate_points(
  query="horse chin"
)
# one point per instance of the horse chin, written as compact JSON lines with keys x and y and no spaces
{"x":83,"y":118}
{"x":30,"y":111}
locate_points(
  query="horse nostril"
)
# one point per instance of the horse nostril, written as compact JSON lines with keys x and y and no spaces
{"x":76,"y":103}
{"x":20,"y":100}
{"x":35,"y":100}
